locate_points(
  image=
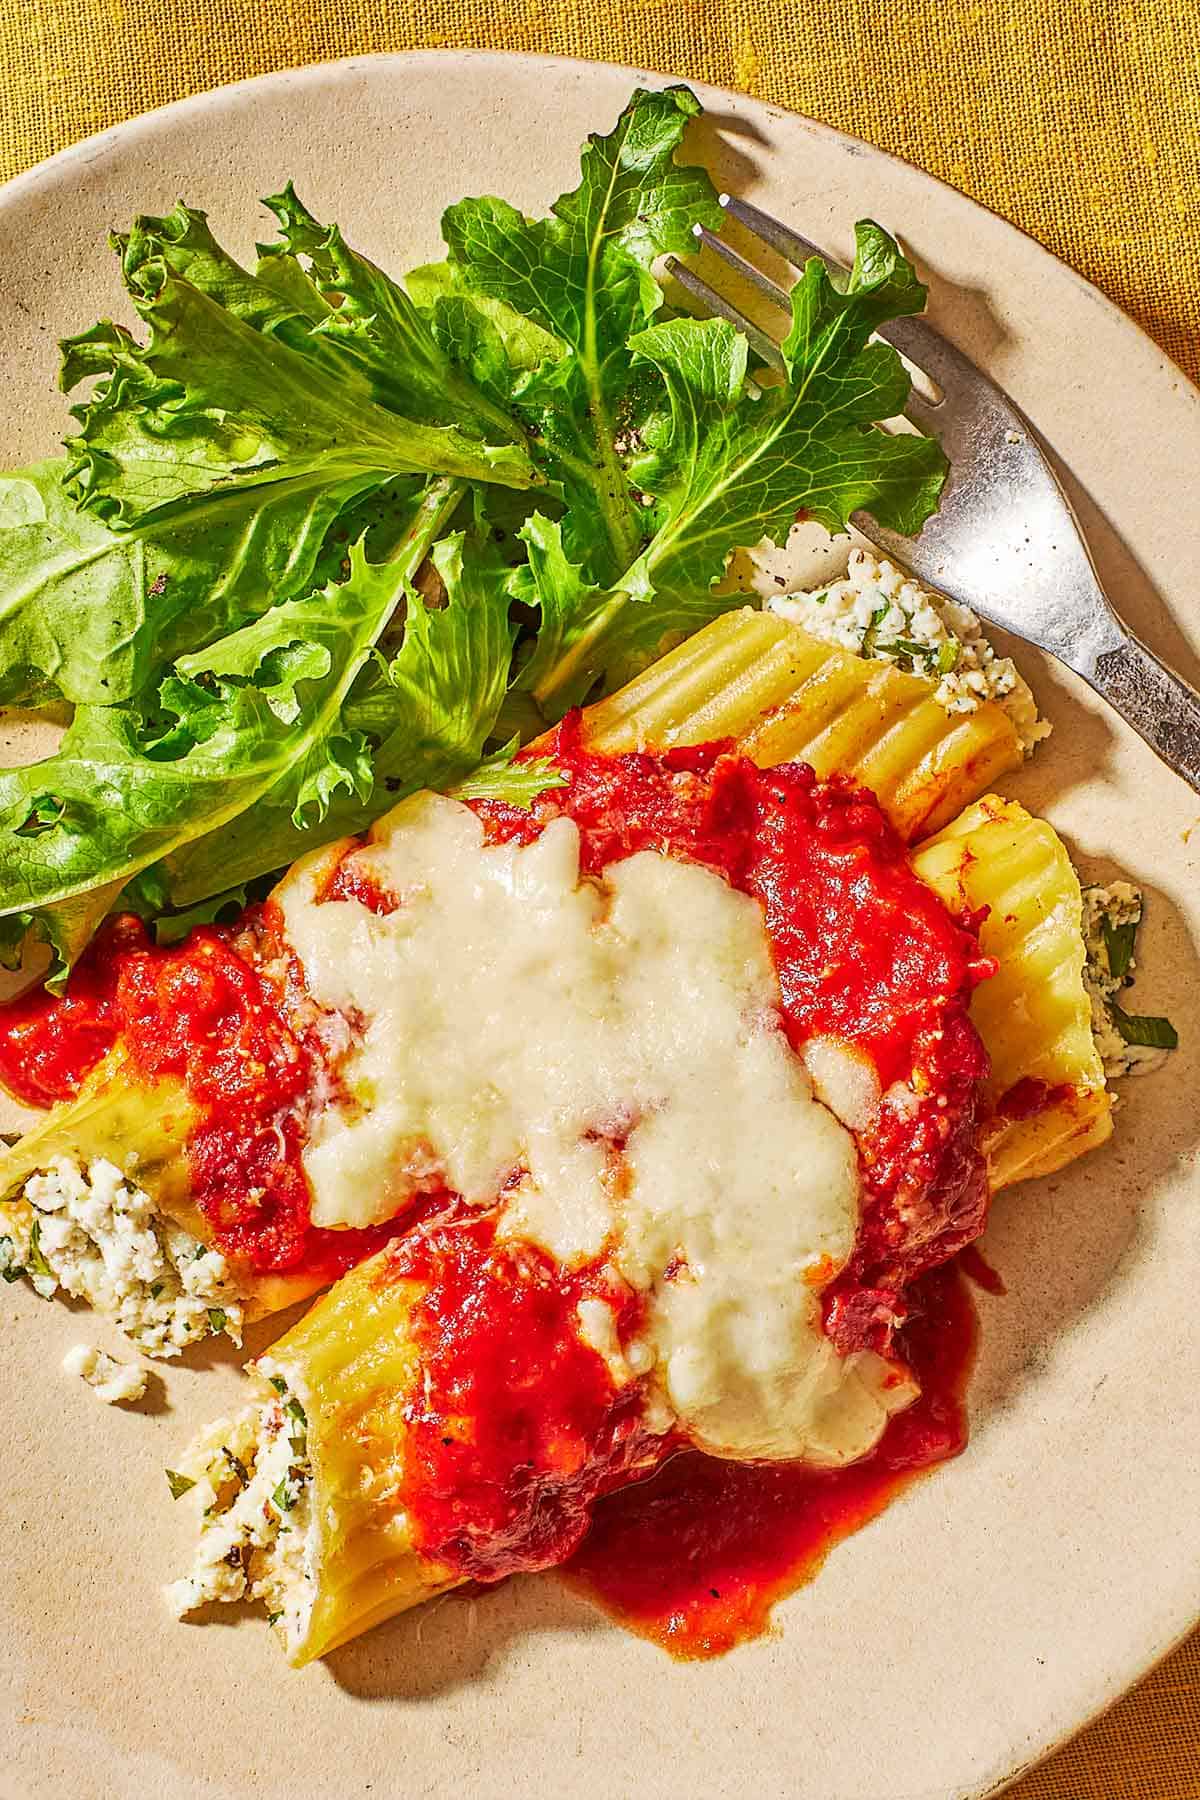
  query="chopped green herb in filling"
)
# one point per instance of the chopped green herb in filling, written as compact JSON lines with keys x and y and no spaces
{"x":1127,"y":1042}
{"x":253,"y":1481}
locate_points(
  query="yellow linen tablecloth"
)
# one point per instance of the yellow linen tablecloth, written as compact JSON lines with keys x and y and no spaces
{"x":1077,"y":119}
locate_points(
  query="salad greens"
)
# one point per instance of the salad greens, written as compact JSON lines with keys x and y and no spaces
{"x":322,"y":537}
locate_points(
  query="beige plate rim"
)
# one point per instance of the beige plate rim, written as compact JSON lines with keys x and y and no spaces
{"x":586,"y":89}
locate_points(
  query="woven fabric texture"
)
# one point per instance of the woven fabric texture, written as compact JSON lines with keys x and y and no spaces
{"x":1079,"y":120}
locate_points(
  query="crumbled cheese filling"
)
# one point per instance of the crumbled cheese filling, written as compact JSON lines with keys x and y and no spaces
{"x":100,"y":1238}
{"x":111,"y":1380}
{"x":878,"y":611}
{"x":1113,"y":911}
{"x":251,"y":1480}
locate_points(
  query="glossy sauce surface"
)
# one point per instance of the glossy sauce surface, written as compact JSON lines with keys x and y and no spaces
{"x":695,"y":1557}
{"x":515,"y":1425}
{"x":203,"y":1014}
{"x":48,"y":1044}
{"x":864,"y":951}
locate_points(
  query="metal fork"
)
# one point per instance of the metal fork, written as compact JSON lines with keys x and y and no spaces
{"x":1005,"y":540}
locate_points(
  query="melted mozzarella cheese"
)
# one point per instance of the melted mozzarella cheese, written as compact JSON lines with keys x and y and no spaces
{"x":609,"y":1053}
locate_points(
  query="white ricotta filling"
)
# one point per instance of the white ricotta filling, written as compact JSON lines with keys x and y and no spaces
{"x":1117,"y":906}
{"x":878,"y":611}
{"x":101,"y":1239}
{"x":112,"y":1381}
{"x":610,"y":1054}
{"x":250,"y":1481}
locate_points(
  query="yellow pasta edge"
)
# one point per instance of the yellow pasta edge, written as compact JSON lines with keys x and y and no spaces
{"x":351,"y":1361}
{"x":113,"y":1110}
{"x":787,"y":696}
{"x":1034,"y":1016}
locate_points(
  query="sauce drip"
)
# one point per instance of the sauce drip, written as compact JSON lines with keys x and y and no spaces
{"x":696,"y":1557}
{"x":977,"y":1268}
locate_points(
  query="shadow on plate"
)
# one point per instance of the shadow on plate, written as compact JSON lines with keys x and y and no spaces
{"x":451,"y":1642}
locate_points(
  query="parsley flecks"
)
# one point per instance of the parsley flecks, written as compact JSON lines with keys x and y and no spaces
{"x":178,"y":1484}
{"x":1151,"y":1032}
{"x":947,"y":656}
{"x":45,"y":1281}
{"x":907,"y":647}
{"x":10,"y":1268}
{"x":1118,"y":947}
{"x":278,"y":1383}
{"x":217,"y":1319}
{"x":288,"y":1492}
{"x":867,"y":647}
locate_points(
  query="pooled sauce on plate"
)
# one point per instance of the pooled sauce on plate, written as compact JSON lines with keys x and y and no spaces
{"x":695,"y":1557}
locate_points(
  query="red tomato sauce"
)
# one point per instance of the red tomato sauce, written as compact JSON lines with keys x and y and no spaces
{"x":517,"y":1432}
{"x":205,"y":1016}
{"x":350,"y":881}
{"x":48,"y":1044}
{"x":696,"y":1557}
{"x":1029,"y":1096}
{"x":976,"y":1267}
{"x":514,"y":1424}
{"x":865,"y":953}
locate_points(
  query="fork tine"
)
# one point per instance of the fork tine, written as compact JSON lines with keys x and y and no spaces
{"x":914,"y":338}
{"x":925,"y":414}
{"x":757,"y":280}
{"x":712,"y":302}
{"x":779,"y":237}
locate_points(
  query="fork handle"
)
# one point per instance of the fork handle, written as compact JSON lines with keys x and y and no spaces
{"x":1161,"y":706}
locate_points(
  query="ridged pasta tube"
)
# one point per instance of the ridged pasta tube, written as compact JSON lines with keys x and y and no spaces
{"x":785,"y":697}
{"x":1033,"y":1015}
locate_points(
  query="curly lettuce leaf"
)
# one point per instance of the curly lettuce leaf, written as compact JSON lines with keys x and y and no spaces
{"x":259,"y":712}
{"x":128,"y":785}
{"x":220,"y":399}
{"x":93,"y":615}
{"x":424,"y":715}
{"x":583,"y":277}
{"x":496,"y":342}
{"x":729,"y":463}
{"x":146,"y":895}
{"x":64,"y":929}
{"x":247,"y":684}
{"x":370,"y":326}
{"x":517,"y":781}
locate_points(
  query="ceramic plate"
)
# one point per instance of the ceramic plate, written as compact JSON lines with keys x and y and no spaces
{"x":998,"y":1604}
